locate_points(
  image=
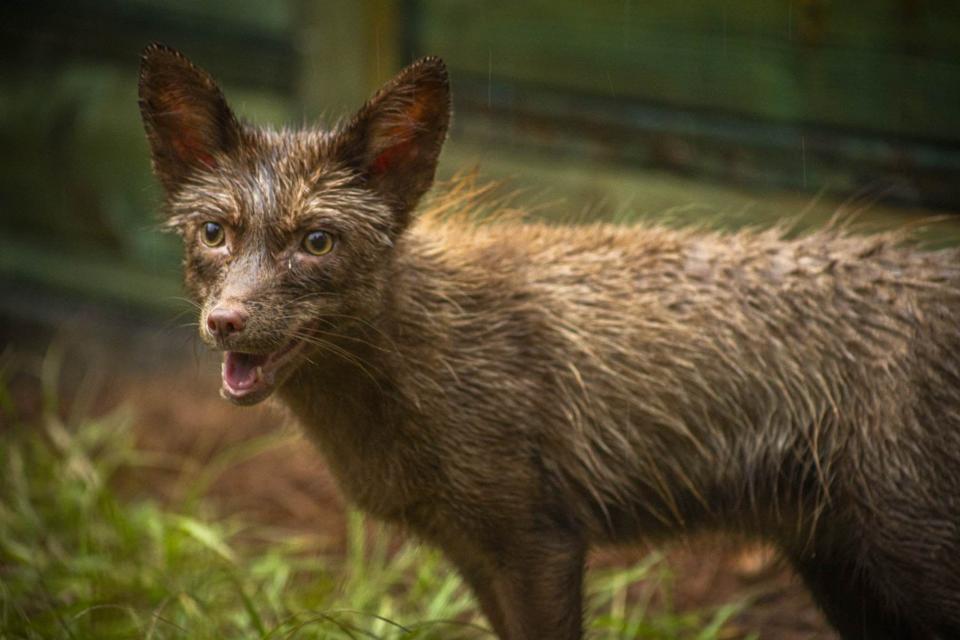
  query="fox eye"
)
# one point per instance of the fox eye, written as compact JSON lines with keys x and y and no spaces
{"x":318,"y":243}
{"x":211,"y":234}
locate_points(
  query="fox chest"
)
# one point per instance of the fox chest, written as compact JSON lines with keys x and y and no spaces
{"x":378,"y":469}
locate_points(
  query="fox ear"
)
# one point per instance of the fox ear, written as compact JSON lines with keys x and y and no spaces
{"x":188,"y":123}
{"x":394,"y":141}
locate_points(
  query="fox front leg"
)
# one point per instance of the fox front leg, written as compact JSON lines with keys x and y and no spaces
{"x":530,"y":590}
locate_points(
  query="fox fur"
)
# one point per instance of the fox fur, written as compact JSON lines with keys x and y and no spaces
{"x":517,"y":392}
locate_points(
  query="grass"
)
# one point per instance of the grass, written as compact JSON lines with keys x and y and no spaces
{"x":82,"y":558}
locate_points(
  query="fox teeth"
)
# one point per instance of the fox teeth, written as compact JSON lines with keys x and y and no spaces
{"x":259,"y":372}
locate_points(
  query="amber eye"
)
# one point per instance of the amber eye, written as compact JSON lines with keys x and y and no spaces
{"x":318,"y":243}
{"x":212,"y":235}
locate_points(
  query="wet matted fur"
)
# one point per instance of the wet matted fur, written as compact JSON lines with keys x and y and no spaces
{"x":515,"y":392}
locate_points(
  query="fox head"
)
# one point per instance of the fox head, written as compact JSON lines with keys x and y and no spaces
{"x":288,"y":234}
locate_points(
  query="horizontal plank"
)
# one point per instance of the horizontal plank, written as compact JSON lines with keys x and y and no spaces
{"x":713,"y":146}
{"x":105,"y":279}
{"x":885,"y":87}
{"x":927,"y":28}
{"x":53,"y":33}
{"x":578,"y":188}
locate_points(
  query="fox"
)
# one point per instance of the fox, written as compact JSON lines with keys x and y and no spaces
{"x":516,"y":393}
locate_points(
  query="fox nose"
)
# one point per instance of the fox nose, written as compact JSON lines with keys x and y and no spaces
{"x":224,"y":322}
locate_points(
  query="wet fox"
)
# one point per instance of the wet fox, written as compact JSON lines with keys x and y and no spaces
{"x":515,"y":392}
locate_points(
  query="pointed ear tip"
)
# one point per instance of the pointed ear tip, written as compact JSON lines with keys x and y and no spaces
{"x":433,"y":61}
{"x":153,"y":46}
{"x":159,"y":61}
{"x":432,"y":66}
{"x":155,"y":49}
{"x":157,"y":53}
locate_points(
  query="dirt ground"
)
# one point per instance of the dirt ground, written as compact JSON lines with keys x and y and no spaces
{"x":169,"y":384}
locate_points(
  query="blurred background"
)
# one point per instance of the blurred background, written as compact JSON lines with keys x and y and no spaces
{"x":718,"y":112}
{"x":593,"y":109}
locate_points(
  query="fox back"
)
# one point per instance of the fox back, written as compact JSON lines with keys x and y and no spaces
{"x":515,"y":393}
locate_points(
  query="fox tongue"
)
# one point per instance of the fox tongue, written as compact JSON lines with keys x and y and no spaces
{"x":240,"y":369}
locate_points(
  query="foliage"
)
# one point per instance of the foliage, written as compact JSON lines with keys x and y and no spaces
{"x":81,"y":558}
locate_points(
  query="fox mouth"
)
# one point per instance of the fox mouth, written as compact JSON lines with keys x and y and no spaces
{"x":249,"y":378}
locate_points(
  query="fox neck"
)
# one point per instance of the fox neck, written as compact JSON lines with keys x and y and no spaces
{"x":361,"y":401}
{"x":353,"y":398}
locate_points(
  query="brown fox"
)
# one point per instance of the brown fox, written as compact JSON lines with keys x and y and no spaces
{"x":515,"y":392}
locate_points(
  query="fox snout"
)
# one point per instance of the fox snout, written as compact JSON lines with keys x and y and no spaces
{"x":258,"y":354}
{"x":237,"y":313}
{"x":226,"y":321}
{"x":237,"y":325}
